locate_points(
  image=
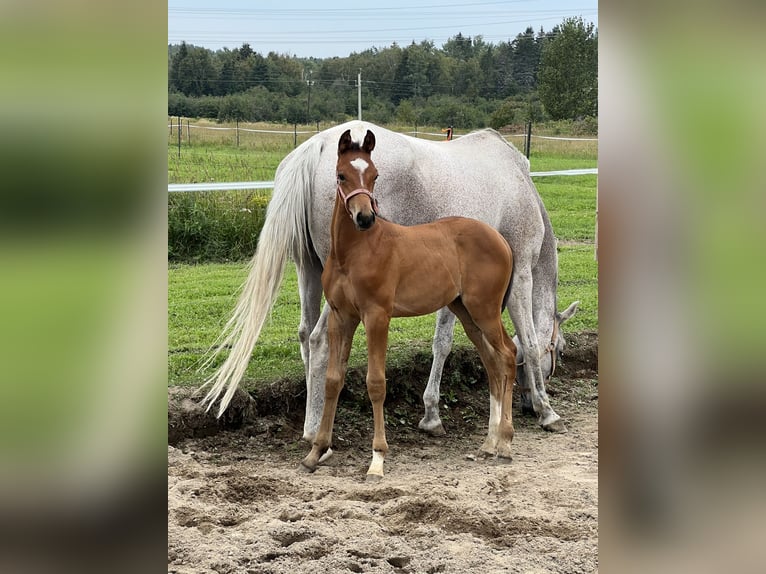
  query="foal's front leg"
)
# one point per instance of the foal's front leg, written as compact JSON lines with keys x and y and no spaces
{"x":340,"y":332}
{"x":376,"y":327}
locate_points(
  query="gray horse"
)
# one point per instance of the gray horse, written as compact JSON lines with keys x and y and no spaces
{"x":479,"y":175}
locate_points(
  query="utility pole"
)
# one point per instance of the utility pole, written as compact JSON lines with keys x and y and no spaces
{"x":309,"y":83}
{"x":359,"y":92}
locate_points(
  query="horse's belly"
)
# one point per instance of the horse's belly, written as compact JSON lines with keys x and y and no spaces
{"x":422,"y":299}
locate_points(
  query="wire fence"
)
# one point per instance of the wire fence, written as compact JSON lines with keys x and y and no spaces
{"x":277,"y":140}
{"x":180,"y":132}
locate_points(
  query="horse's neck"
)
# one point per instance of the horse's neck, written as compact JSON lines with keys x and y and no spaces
{"x":545,"y":280}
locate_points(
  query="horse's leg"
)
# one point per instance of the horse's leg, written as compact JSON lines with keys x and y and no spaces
{"x":315,"y":384}
{"x":340,"y":333}
{"x":310,"y":292}
{"x":520,"y":307}
{"x":314,"y":360}
{"x":498,"y":355}
{"x":442,"y":345}
{"x":376,"y":327}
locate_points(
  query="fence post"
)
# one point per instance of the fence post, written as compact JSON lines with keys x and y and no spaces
{"x":188,"y":133}
{"x":237,"y":132}
{"x":179,"y":136}
{"x":528,"y":140}
{"x":295,"y":135}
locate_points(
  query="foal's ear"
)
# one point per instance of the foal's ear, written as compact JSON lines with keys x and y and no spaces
{"x":369,"y":142}
{"x":344,"y":144}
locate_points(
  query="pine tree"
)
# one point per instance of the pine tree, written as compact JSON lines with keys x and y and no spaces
{"x":568,"y":78}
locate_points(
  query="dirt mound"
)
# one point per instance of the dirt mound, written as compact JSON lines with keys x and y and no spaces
{"x":464,"y":387}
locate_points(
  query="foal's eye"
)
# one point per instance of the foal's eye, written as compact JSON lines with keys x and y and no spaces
{"x":341,"y":177}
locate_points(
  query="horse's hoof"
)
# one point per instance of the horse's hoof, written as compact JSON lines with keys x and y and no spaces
{"x":528,"y":410}
{"x":432,"y":428}
{"x":555,"y":426}
{"x":372,"y":478}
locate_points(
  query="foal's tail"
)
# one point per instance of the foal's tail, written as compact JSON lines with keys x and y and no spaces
{"x":285,"y":233}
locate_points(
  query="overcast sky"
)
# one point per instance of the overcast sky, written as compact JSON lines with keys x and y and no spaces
{"x":338,"y":28}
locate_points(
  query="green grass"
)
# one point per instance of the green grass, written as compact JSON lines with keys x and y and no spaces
{"x":201,"y":297}
{"x":201,"y":164}
{"x":571,"y":204}
{"x":578,"y":281}
{"x":549,"y":155}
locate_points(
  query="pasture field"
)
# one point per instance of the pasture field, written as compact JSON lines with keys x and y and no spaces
{"x":201,"y":297}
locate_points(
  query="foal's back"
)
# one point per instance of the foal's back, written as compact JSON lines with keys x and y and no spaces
{"x":419,"y":269}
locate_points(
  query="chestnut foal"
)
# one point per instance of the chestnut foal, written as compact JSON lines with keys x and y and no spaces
{"x":377,"y":270}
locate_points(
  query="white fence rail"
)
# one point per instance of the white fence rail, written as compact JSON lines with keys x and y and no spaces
{"x":413,"y":133}
{"x":228,"y":186}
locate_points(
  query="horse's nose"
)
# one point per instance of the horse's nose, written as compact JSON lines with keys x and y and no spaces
{"x":365,"y":221}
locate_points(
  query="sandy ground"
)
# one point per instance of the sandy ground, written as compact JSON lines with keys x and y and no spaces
{"x":237,"y":502}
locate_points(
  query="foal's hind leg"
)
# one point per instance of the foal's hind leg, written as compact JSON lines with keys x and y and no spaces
{"x":340,"y":333}
{"x":442,"y":345}
{"x":498,"y":355}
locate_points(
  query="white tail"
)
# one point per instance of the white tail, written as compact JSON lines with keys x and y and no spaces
{"x":284,"y":233}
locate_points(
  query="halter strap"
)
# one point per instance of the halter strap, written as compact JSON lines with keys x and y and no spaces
{"x":359,"y":191}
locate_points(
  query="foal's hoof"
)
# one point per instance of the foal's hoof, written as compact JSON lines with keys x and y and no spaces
{"x":486,"y":453}
{"x":305,"y":469}
{"x":504,"y":454}
{"x":496,"y":457}
{"x":373,"y":478}
{"x":555,"y":426}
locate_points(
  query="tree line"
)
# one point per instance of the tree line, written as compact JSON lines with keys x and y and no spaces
{"x":468,"y":83}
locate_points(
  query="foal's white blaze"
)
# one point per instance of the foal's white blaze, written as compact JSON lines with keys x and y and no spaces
{"x":360,"y":165}
{"x":377,"y":463}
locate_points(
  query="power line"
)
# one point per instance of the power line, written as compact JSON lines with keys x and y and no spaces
{"x":350,"y":9}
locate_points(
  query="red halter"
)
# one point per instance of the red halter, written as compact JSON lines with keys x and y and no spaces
{"x":360,"y":191}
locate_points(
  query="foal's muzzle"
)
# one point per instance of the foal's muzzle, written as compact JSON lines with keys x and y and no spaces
{"x":363,"y":221}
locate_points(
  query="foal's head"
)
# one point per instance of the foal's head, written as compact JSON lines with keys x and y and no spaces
{"x":356,"y":177}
